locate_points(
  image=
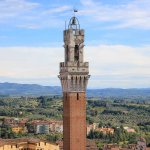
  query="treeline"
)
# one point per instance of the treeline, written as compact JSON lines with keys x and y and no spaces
{"x":120,"y":135}
{"x":43,"y":106}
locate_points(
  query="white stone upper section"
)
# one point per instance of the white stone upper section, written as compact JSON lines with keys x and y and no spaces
{"x":74,"y":72}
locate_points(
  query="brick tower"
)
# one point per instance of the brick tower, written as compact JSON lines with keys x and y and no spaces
{"x":74,"y":75}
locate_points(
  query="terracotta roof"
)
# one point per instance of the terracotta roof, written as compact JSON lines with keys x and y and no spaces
{"x":91,"y":145}
{"x":35,"y":122}
{"x":105,"y":129}
{"x":21,"y":140}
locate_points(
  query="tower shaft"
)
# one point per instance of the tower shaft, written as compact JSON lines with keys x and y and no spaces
{"x":74,"y":116}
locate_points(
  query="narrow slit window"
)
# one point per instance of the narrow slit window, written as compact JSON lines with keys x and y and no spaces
{"x":67,"y":53}
{"x":76,"y":53}
{"x":77,"y":96}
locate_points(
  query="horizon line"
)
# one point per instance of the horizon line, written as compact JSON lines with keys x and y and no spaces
{"x":90,"y":88}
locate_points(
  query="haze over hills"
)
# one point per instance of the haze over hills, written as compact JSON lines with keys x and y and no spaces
{"x":15,"y":89}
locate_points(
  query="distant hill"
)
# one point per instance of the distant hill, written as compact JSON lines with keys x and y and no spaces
{"x":14,"y":89}
{"x":118,"y":92}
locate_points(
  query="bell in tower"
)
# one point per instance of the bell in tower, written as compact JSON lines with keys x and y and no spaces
{"x":73,"y":21}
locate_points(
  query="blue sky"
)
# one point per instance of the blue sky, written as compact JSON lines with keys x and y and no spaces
{"x":117,"y":40}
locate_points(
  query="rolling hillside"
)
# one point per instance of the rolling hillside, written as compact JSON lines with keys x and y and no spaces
{"x":14,"y":89}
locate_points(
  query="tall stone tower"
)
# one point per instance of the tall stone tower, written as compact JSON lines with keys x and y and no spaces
{"x":74,"y":75}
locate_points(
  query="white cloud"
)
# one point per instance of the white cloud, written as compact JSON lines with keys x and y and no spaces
{"x":33,"y":15}
{"x":29,"y":61}
{"x":119,"y":59}
{"x":29,"y":14}
{"x":58,"y":9}
{"x":110,"y":65}
{"x":135,"y":13}
{"x":13,"y":8}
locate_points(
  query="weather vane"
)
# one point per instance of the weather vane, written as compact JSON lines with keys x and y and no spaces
{"x":75,"y":11}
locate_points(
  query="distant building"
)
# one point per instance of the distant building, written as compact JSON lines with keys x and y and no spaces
{"x":91,"y":127}
{"x":22,"y":121}
{"x":56,"y":126}
{"x":106,"y":130}
{"x":141,"y":145}
{"x":17,"y":125}
{"x":10,"y":121}
{"x":131,"y":147}
{"x":60,"y":143}
{"x":111,"y":147}
{"x":103,"y":130}
{"x":90,"y":145}
{"x":39,"y":126}
{"x":26,"y":144}
{"x":15,"y":121}
{"x":129,"y":130}
{"x":18,"y":129}
{"x":42,"y":128}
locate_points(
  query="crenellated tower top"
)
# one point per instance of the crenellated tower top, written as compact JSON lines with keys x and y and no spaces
{"x":74,"y":72}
